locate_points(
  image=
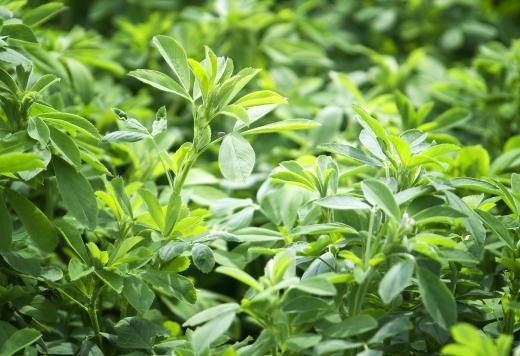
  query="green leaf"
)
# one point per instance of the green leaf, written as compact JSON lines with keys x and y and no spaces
{"x":211,"y":313}
{"x":111,"y":279}
{"x":6,"y":226}
{"x":236,"y":158}
{"x":378,"y":194}
{"x":65,"y":146}
{"x":342,"y":202}
{"x":123,"y":247}
{"x":35,"y":222}
{"x":474,"y":184}
{"x":351,"y":152}
{"x":371,"y":125}
{"x":78,"y":270}
{"x":497,"y":227}
{"x":403,"y":149}
{"x":16,"y":162}
{"x":76,"y":192}
{"x":19,"y":32}
{"x":175,"y":57}
{"x":201,"y":75}
{"x":204,"y":335}
{"x":138,"y":294}
{"x":231,"y":87}
{"x":472,"y":222}
{"x":8,"y":82}
{"x":325,"y":228}
{"x":304,"y":303}
{"x":203,"y":258}
{"x":159,"y":81}
{"x":72,"y":123}
{"x":121,"y":196}
{"x":154,"y":207}
{"x":437,"y":298}
{"x":262,"y":97}
{"x":395,"y":280}
{"x":285,"y":125}
{"x":317,"y":286}
{"x":44,"y":82}
{"x":173,"y":211}
{"x":236,"y":112}
{"x":352,"y":326}
{"x":136,"y":333}
{"x":239,"y":275}
{"x":441,"y":214}
{"x":42,"y":13}
{"x":392,"y":328}
{"x":448,"y":119}
{"x":172,"y":284}
{"x":38,"y":130}
{"x":18,"y":341}
{"x":73,"y":237}
{"x":124,"y":136}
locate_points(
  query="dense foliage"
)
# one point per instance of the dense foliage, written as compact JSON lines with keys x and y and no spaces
{"x":357,"y":194}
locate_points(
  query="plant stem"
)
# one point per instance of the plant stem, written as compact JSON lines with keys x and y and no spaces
{"x":164,"y":165}
{"x":183,"y":174}
{"x":361,"y":292}
{"x":366,"y":256}
{"x":92,"y":312}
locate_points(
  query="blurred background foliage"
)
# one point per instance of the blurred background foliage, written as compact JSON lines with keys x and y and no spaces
{"x":459,"y":53}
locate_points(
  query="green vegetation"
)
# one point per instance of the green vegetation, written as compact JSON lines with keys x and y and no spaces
{"x":258,"y":177}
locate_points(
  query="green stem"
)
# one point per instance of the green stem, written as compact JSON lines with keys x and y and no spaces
{"x":183,"y":174}
{"x":164,"y":165}
{"x":361,"y":292}
{"x":92,"y":312}
{"x":366,"y":256}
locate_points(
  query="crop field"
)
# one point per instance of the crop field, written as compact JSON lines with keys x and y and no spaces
{"x":260,"y":177}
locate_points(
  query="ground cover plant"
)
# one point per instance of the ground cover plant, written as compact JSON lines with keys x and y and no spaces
{"x":259,"y":177}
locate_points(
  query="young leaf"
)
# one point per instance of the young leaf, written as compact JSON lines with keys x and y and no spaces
{"x":203,"y":258}
{"x":285,"y":125}
{"x":78,"y":270}
{"x":236,"y":112}
{"x":236,"y":158}
{"x":378,"y":194}
{"x":201,"y":75}
{"x":262,"y":97}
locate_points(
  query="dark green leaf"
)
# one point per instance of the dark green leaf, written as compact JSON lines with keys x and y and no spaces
{"x":76,"y":192}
